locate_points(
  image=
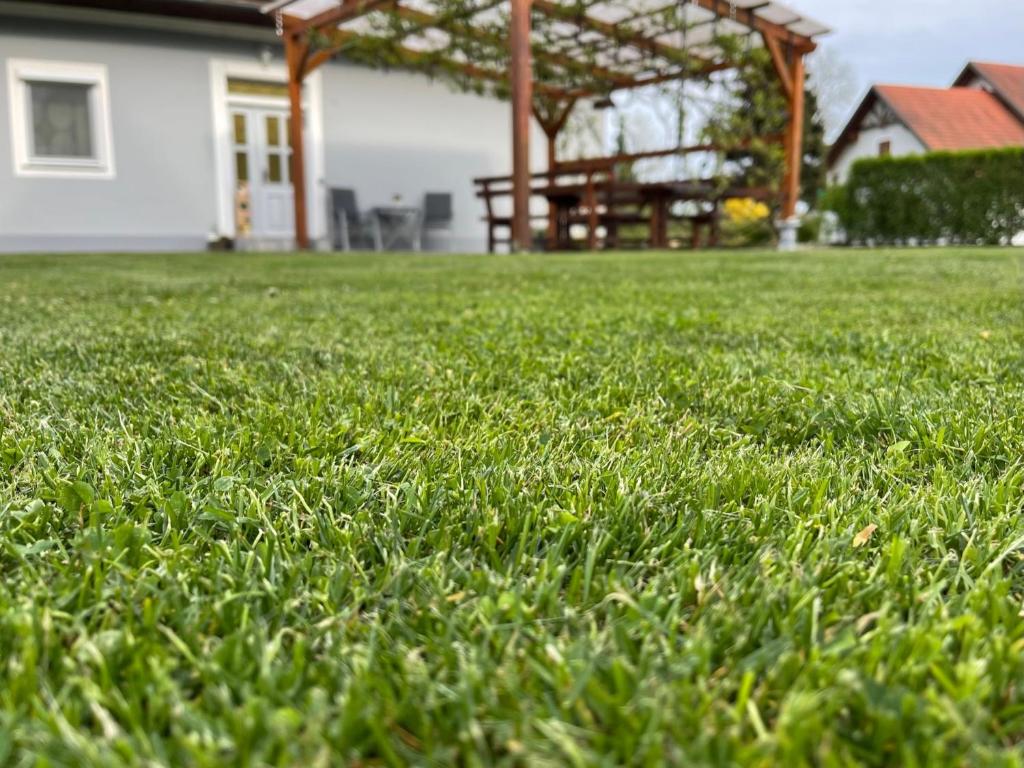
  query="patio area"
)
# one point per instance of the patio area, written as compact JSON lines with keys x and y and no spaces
{"x":545,"y":58}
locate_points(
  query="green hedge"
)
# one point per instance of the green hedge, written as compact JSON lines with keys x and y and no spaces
{"x":964,"y":197}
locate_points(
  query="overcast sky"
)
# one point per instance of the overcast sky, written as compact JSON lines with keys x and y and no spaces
{"x":919,"y":42}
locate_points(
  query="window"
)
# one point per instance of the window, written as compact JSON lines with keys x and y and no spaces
{"x":60,"y":119}
{"x":238,"y":86}
{"x":884,"y":148}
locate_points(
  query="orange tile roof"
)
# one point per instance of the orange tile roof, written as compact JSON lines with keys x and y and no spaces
{"x":954,"y":118}
{"x":1006,"y":79}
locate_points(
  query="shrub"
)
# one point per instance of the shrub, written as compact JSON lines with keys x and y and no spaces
{"x":810,"y":228}
{"x":970,"y":197}
{"x":834,"y":199}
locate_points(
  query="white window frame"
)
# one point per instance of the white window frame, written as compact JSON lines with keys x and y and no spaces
{"x":20,"y":72}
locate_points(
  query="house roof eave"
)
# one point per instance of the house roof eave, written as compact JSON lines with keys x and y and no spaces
{"x":245,"y":12}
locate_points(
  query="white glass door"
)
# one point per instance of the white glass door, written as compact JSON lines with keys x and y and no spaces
{"x":264,"y":198}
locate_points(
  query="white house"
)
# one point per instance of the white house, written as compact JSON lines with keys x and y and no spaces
{"x":130,"y":122}
{"x":983,"y":110}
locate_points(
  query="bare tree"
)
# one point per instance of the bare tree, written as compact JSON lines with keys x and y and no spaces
{"x":835,"y":83}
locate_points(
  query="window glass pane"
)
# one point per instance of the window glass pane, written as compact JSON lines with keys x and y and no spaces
{"x":61,"y":124}
{"x":273,"y":131}
{"x":241,"y":166}
{"x":245,"y":87}
{"x":239,"y":119}
{"x":274,"y":168}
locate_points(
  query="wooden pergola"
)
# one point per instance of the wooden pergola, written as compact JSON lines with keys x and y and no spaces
{"x":545,"y":56}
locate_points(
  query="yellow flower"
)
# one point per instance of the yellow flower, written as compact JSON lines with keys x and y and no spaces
{"x":745,"y":210}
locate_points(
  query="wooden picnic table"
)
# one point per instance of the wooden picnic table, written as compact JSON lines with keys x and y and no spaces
{"x":589,"y":192}
{"x":610,"y":203}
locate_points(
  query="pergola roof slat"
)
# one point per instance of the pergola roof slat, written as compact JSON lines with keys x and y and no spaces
{"x":808,"y":28}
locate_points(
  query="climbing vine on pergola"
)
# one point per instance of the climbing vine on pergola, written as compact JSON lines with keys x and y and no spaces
{"x":544,"y":56}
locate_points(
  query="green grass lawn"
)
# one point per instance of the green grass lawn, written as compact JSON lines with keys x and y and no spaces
{"x":716,"y":509}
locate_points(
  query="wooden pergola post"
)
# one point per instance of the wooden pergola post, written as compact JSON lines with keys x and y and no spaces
{"x":794,"y":138}
{"x":296,"y":52}
{"x":789,"y":65}
{"x":521,"y":81}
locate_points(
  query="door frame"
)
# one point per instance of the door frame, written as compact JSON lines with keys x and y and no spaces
{"x":220,"y":71}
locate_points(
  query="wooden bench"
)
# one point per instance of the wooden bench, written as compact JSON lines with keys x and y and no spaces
{"x":589,"y":192}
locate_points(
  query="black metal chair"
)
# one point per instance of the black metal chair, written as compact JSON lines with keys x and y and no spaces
{"x":437,"y":213}
{"x":349,"y":225}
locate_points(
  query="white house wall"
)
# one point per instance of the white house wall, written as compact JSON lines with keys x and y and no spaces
{"x":902,"y":142}
{"x":385,"y":135}
{"x":162,"y":196}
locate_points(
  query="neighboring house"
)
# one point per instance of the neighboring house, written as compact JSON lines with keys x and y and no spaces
{"x":983,"y":110}
{"x":131,"y":123}
{"x":1004,"y":81}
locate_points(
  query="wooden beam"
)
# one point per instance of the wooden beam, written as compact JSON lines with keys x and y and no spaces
{"x":346,"y":10}
{"x":781,"y":64}
{"x":296,"y":51}
{"x":552,"y":121}
{"x":521,"y":78}
{"x":794,"y":140}
{"x":564,"y":117}
{"x":318,"y":59}
{"x":554,"y":118}
{"x":607,"y":163}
